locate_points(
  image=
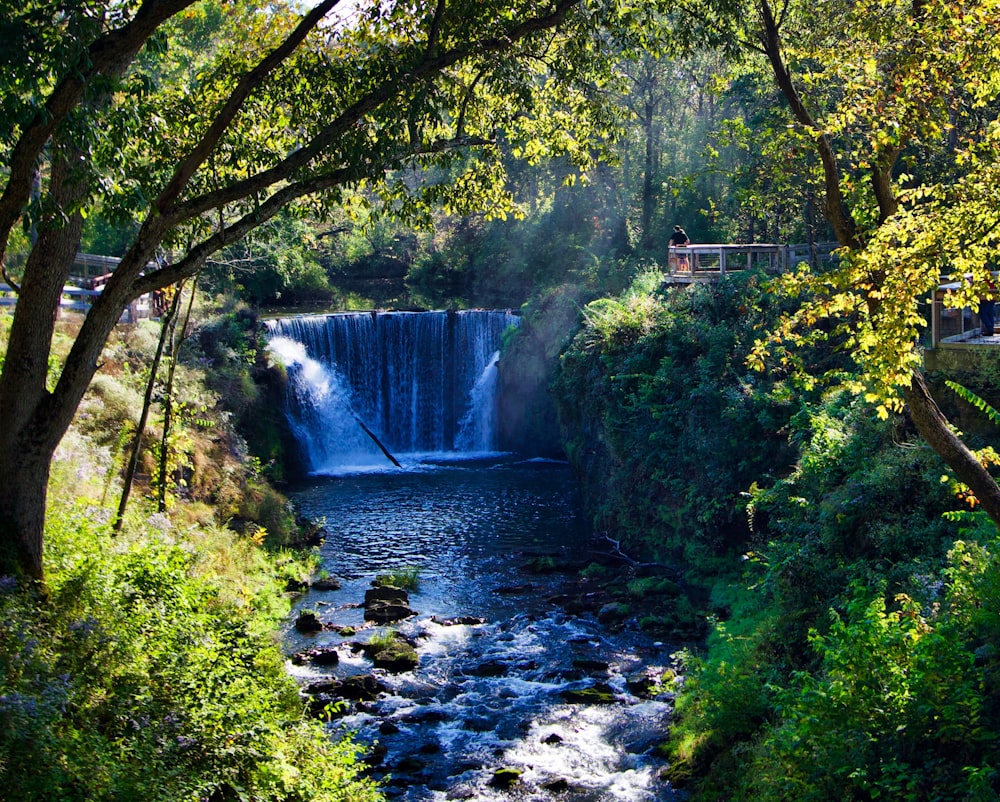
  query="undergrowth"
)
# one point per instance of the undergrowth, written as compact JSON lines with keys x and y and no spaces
{"x":148,"y":667}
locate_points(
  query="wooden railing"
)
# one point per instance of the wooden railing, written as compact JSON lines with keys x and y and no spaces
{"x":714,"y":260}
{"x":89,"y":275}
{"x":77,"y":299}
{"x":951,"y":325}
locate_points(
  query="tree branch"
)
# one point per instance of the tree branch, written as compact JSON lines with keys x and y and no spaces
{"x":247,"y":83}
{"x":109,"y":55}
{"x":302,"y":157}
{"x":836,"y":209}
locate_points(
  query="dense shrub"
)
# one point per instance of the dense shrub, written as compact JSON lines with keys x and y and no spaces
{"x":149,"y":671}
{"x":853,"y":643}
{"x":857,"y":634}
{"x":663,"y":420}
{"x":148,"y":667}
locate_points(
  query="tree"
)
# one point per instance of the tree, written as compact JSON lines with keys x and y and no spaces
{"x":896,"y":100}
{"x":290,"y":108}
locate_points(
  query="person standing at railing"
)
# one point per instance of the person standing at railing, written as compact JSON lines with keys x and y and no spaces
{"x":679,"y":239}
{"x":986,"y":310}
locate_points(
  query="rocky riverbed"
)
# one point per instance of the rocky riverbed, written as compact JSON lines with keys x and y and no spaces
{"x":568,"y":694}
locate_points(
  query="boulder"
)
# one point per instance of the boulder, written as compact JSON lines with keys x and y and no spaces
{"x":599,"y":694}
{"x":505,"y":778}
{"x":308,"y":623}
{"x":319,"y":657}
{"x":462,"y":620}
{"x":613,"y":613}
{"x":396,"y":656}
{"x":386,"y":604}
{"x":361,"y":687}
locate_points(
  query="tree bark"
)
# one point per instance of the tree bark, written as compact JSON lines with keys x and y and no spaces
{"x":933,"y":427}
{"x":27,"y":437}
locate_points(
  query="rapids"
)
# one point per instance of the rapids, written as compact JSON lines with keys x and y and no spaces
{"x":484,"y":696}
{"x":494,"y":538}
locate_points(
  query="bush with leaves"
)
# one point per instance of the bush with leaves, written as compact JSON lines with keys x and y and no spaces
{"x":857,"y":628}
{"x":149,"y":671}
{"x":663,"y":420}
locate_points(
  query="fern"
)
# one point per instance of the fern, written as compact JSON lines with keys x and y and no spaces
{"x":967,"y":395}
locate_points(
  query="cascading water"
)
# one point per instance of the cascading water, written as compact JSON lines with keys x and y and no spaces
{"x":419,"y":383}
{"x":521,"y":673}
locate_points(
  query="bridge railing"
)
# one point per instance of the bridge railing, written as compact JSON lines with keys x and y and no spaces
{"x":952,"y":325}
{"x":714,"y":260}
{"x":77,"y":299}
{"x":90,"y":273}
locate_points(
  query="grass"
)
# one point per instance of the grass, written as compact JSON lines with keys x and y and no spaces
{"x":407,"y":578}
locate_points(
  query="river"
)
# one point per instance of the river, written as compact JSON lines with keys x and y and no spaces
{"x":530,"y":680}
{"x":484,"y":696}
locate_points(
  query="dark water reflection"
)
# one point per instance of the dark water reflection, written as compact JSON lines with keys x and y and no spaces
{"x":470,"y":527}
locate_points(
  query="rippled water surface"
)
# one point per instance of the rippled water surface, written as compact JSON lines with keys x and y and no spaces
{"x":484,"y":696}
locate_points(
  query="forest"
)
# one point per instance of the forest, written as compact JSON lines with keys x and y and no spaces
{"x":826,"y":500}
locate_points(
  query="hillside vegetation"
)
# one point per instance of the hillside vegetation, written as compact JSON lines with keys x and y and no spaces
{"x":148,"y":666}
{"x":851,"y":595}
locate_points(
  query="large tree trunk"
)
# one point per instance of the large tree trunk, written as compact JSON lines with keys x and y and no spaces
{"x":24,"y":478}
{"x":29,"y":433}
{"x":934,"y":428}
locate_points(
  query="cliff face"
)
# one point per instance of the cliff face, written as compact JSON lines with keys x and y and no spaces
{"x":527,"y":418}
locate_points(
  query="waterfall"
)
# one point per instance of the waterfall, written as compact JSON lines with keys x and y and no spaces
{"x":422,"y":383}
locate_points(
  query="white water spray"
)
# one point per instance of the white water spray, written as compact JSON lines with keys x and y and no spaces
{"x":478,"y":428}
{"x":323,"y":422}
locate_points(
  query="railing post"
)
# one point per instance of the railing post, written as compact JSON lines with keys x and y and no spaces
{"x":935,"y":319}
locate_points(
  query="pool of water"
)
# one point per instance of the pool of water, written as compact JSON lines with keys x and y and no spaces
{"x":489,"y":695}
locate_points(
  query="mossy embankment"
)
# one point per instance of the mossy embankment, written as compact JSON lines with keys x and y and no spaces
{"x":849,"y":596}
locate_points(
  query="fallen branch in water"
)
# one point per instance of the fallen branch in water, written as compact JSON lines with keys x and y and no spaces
{"x":378,"y":442}
{"x":635,"y":563}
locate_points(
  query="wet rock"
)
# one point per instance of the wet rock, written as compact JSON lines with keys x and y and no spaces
{"x":376,"y":755}
{"x":318,"y":657}
{"x":477,"y":724}
{"x":463,"y":620}
{"x":613,"y":613}
{"x":505,"y":778}
{"x":642,"y":683}
{"x":552,"y":738}
{"x":308,"y":623}
{"x":490,"y":668}
{"x":361,"y":687}
{"x":599,"y":694}
{"x":411,"y":764}
{"x":425,"y":717}
{"x":556,"y":786}
{"x":322,"y":686}
{"x":388,"y":728}
{"x":386,"y":604}
{"x":396,"y":656}
{"x":326,"y":583}
{"x":591,"y":666}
